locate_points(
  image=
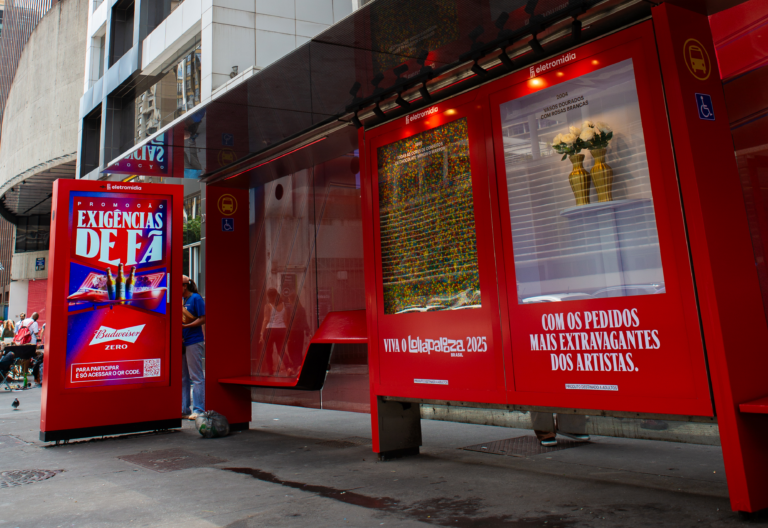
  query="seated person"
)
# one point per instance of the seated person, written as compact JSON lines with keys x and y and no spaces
{"x":6,"y":362}
{"x":37,"y":368}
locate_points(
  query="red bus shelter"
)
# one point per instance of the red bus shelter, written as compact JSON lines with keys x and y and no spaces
{"x":536,"y":208}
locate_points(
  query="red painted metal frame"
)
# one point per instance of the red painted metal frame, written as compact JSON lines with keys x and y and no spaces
{"x":348,"y":326}
{"x":228,"y":339}
{"x":672,"y":379}
{"x":759,"y":406}
{"x":732,"y":314}
{"x":108,"y":406}
{"x":477,"y":376}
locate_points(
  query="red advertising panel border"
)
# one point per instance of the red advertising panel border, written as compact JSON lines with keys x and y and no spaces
{"x":439,"y":338}
{"x":113,"y":328}
{"x":640,"y":350}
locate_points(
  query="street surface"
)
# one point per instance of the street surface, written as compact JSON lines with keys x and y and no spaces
{"x":310,"y":468}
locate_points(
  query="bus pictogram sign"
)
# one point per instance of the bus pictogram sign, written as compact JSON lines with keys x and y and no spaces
{"x":697,"y":59}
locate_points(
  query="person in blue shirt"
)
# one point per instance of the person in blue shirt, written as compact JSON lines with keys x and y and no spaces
{"x":192,"y":374}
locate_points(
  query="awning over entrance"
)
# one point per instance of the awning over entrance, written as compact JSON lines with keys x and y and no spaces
{"x":386,"y":59}
{"x":30,"y":193}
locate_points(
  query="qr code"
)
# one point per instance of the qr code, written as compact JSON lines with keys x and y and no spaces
{"x":151,"y":368}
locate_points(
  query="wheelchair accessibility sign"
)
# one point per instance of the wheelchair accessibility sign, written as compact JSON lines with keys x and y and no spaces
{"x":704,"y":104}
{"x":227,"y":224}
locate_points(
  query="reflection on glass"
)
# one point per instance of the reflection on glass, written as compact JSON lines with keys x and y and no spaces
{"x":306,"y":260}
{"x":428,"y":245}
{"x":607,"y":244}
{"x":194,"y":135}
{"x":400,"y":29}
{"x":192,"y":219}
{"x":177,"y":92}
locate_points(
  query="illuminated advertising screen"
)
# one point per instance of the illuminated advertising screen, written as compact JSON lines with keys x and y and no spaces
{"x":428,"y":243}
{"x":596,"y":241}
{"x":584,"y":229}
{"x":119,"y":261}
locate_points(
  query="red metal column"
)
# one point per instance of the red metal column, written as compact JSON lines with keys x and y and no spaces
{"x":732,"y":314}
{"x":369,"y":256}
{"x":227,"y":325}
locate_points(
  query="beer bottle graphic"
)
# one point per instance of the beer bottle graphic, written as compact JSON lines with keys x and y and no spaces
{"x":110,"y":285}
{"x":120,"y":283}
{"x":130,"y":284}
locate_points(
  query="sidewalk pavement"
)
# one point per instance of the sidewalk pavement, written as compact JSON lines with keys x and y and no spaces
{"x":311,"y":468}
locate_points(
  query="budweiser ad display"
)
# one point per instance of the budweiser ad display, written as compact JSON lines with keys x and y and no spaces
{"x":119,"y":257}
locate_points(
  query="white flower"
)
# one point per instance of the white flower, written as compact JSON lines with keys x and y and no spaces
{"x":602,"y":127}
{"x":587,"y":134}
{"x":575,"y":131}
{"x":558,"y":139}
{"x":569,"y":139}
{"x":588,"y":124}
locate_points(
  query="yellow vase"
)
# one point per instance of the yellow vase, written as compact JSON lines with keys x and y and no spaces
{"x":602,"y":176}
{"x":579,"y":179}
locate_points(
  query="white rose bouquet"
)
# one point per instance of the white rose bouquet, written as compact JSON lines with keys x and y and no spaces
{"x":568,"y":144}
{"x":596,"y":136}
{"x":590,"y":136}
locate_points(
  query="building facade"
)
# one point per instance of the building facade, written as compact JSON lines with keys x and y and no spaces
{"x":39,"y":142}
{"x":149,"y":64}
{"x":19,"y":18}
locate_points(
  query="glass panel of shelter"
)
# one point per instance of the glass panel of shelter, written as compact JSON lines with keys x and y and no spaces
{"x":306,"y":260}
{"x":192,"y":236}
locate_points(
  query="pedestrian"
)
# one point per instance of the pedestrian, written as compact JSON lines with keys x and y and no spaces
{"x":6,"y":363}
{"x":37,"y":368}
{"x":547,"y":426}
{"x":16,"y":327}
{"x":273,"y":329}
{"x":9,"y":330}
{"x":31,"y":324}
{"x":193,"y":340}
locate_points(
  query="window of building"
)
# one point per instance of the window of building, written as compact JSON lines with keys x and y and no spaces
{"x":91,"y":142}
{"x":102,"y":53}
{"x":122,"y":29}
{"x":98,"y":54}
{"x":33,"y":233}
{"x":158,"y":10}
{"x":165,"y":99}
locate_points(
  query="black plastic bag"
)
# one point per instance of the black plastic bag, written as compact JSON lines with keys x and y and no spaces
{"x":211,"y":424}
